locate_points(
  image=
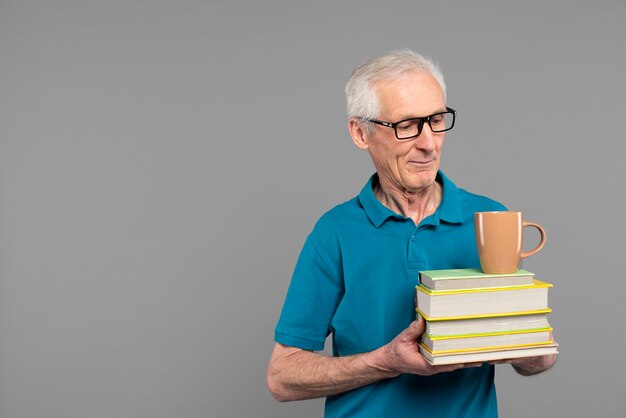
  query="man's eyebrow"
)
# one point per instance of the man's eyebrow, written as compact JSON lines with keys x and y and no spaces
{"x":423,"y":116}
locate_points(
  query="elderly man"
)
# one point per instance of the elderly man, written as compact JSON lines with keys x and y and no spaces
{"x":356,"y":275}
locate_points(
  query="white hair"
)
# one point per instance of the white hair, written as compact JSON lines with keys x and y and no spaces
{"x":361,"y":99}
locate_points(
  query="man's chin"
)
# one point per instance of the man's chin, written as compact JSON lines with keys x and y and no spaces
{"x":421,"y":181}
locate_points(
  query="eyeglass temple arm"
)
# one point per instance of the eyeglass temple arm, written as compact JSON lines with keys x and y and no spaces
{"x":380,"y":122}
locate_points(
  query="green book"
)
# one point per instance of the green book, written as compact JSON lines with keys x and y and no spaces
{"x":458,"y":279}
{"x":491,"y":354}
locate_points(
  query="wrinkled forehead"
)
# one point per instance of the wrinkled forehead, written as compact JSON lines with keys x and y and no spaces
{"x":417,"y":93}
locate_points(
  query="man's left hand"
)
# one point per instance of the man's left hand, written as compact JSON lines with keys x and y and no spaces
{"x":528,"y":366}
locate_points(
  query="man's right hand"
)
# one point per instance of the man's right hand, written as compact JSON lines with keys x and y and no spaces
{"x":402,"y":355}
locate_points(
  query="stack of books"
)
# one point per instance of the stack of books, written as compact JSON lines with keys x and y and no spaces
{"x":473,"y":317}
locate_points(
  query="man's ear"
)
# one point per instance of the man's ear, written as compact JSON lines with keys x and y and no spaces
{"x":359,"y":136}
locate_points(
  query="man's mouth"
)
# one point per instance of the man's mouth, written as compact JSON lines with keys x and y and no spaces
{"x":421,"y":163}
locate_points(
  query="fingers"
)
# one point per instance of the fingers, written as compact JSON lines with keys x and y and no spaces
{"x":449,"y":367}
{"x":464,"y":365}
{"x":494,"y":362}
{"x":475,"y":364}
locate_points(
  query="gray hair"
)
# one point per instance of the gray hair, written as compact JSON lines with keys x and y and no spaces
{"x":361,"y":99}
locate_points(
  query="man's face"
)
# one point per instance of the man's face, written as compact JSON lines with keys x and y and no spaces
{"x":411,"y":164}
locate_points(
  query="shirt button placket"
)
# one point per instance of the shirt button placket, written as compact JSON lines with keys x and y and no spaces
{"x":415,"y":256}
{"x":414,"y":247}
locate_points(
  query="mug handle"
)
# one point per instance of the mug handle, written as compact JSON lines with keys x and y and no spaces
{"x":542,"y":232}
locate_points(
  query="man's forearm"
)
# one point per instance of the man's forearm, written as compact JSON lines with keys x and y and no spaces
{"x":296,"y":374}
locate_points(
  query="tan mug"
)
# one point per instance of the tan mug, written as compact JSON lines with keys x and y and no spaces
{"x":500,"y":240}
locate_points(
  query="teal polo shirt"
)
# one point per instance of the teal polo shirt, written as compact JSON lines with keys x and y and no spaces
{"x":355,"y":280}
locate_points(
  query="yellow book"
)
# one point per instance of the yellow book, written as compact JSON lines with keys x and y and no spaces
{"x":483,"y":302}
{"x":488,"y":324}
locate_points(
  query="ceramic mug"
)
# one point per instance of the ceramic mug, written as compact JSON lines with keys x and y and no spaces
{"x":500,"y":239}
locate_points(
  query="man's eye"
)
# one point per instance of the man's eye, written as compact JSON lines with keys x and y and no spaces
{"x":436,"y":119}
{"x":409,"y":124}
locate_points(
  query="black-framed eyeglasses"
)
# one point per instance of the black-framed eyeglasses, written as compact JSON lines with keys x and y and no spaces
{"x":411,"y":128}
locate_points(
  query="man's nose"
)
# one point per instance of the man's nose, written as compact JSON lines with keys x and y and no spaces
{"x":426,"y":139}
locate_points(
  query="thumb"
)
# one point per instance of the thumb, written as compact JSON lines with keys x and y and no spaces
{"x":416,"y":328}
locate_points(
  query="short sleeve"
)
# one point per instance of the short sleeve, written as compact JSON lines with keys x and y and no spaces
{"x":314,"y":293}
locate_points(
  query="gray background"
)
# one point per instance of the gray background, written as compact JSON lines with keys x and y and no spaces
{"x":161,"y":163}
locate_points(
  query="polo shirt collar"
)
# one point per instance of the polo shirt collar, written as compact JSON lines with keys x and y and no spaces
{"x":449,"y":209}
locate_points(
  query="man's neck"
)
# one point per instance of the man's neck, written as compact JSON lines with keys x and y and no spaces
{"x":414,"y":205}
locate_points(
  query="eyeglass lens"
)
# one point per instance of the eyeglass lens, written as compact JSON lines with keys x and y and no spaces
{"x":438,"y":123}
